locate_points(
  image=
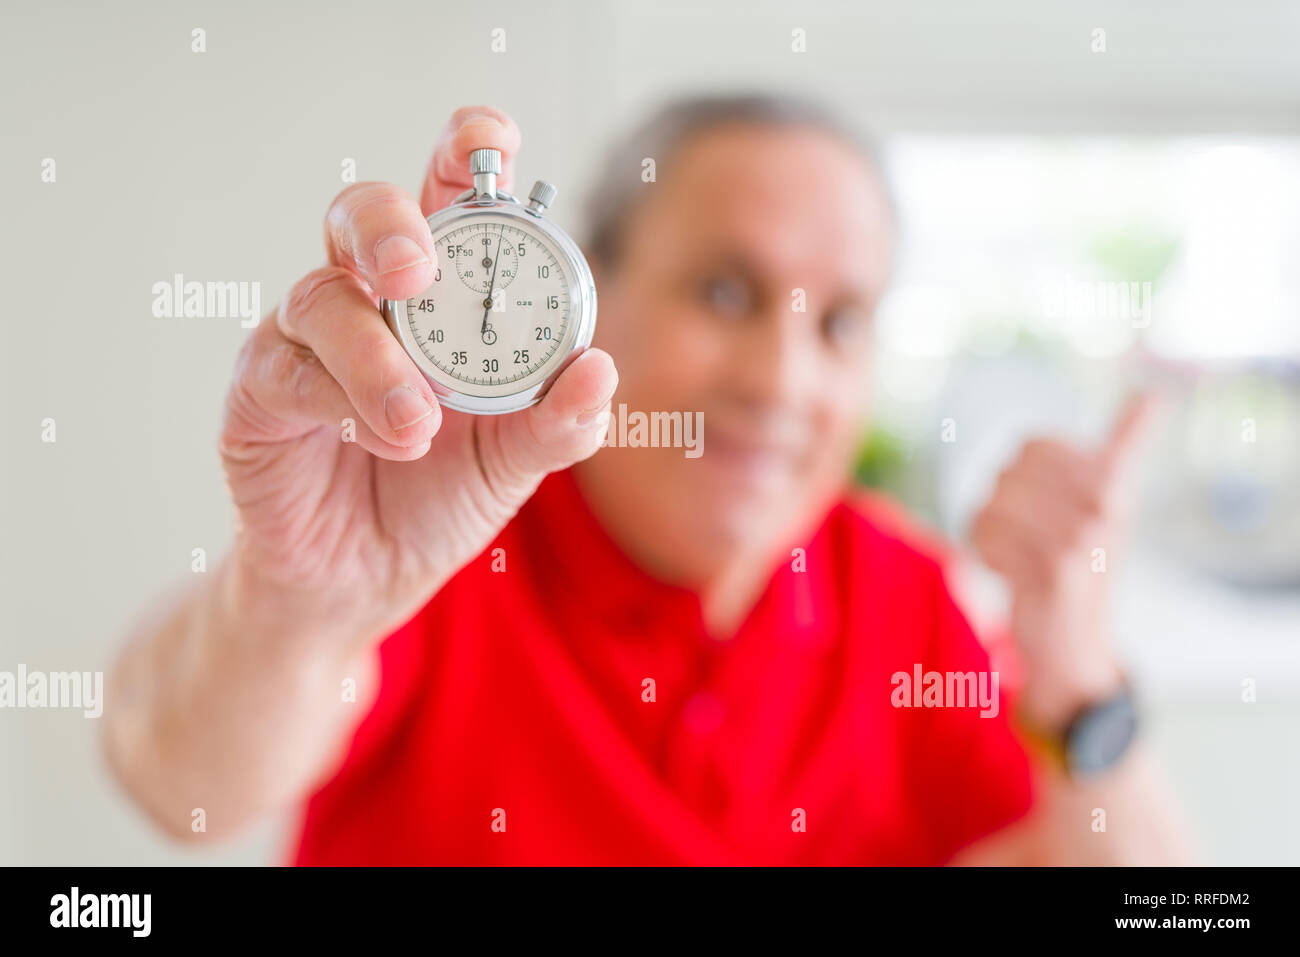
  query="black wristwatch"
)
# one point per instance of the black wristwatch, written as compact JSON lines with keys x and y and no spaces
{"x":1094,"y":739}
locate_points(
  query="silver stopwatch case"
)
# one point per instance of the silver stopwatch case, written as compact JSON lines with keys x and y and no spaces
{"x":486,"y":203}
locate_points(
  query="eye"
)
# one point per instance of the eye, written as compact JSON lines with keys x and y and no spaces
{"x":727,"y":295}
{"x":845,"y":325}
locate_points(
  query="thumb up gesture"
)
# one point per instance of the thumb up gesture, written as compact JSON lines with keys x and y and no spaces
{"x":1055,"y":518}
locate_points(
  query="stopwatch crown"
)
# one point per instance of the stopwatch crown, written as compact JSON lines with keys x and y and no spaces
{"x":484,"y":161}
{"x":484,"y":166}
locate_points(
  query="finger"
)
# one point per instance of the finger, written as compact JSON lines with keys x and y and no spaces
{"x":568,"y":425}
{"x":1128,"y":430}
{"x":1032,"y":558}
{"x":1048,"y":529}
{"x":1007,"y":549}
{"x":1068,"y":470}
{"x":329,"y":311}
{"x":1004,"y":554}
{"x":470,"y":128}
{"x":281,"y":391}
{"x":378,"y":231}
{"x":1043,"y":510}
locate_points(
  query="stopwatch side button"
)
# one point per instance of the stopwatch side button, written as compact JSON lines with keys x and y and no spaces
{"x":541,"y":195}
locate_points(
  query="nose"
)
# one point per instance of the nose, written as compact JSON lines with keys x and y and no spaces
{"x":775,"y":363}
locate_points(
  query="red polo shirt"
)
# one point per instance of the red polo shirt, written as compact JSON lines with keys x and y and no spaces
{"x":515,"y":723}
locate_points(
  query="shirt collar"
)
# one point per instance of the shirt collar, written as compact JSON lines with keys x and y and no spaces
{"x":583,"y":567}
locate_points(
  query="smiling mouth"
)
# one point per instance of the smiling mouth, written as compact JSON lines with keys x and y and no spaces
{"x":759,"y":459}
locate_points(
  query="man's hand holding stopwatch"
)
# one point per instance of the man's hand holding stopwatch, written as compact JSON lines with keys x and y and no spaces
{"x":366,"y":531}
{"x":233,"y":698}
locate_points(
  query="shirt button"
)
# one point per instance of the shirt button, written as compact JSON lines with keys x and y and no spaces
{"x":703,"y":713}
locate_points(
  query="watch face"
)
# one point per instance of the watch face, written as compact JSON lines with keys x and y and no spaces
{"x":511,"y":301}
{"x":498,"y":309}
{"x":1098,"y":738}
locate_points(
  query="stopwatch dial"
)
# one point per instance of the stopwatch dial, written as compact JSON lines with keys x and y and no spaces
{"x":481,"y":338}
{"x":484,"y":256}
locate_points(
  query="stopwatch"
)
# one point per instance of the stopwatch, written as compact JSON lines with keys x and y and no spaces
{"x":512,"y":300}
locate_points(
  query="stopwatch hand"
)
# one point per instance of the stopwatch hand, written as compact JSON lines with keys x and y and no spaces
{"x":492,"y":283}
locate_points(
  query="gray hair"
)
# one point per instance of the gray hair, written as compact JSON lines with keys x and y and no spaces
{"x":618,"y":186}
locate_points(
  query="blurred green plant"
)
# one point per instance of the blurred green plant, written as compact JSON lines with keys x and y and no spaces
{"x":1134,"y":252}
{"x":882,"y":462}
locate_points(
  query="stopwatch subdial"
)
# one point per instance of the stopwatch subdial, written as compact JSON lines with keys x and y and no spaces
{"x":487,"y":260}
{"x":489,"y":336}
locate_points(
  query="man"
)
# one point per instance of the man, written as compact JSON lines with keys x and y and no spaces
{"x":465,"y":651}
